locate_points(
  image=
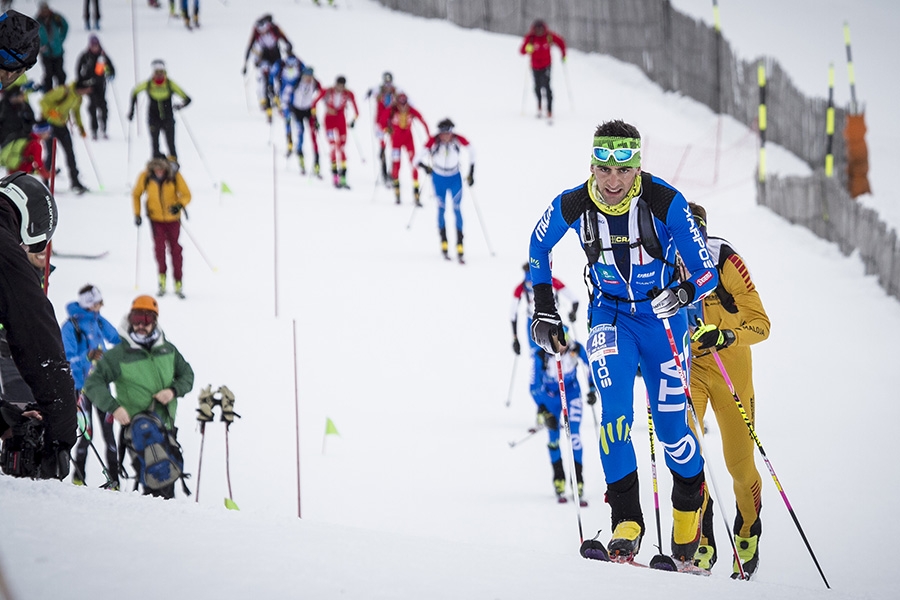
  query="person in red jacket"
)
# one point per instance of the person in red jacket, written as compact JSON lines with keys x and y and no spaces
{"x":400,"y":128}
{"x":384,"y":100}
{"x":336,"y":100}
{"x":537,"y":43}
{"x":32,"y":156}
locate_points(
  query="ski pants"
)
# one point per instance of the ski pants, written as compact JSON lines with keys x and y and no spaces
{"x":87,"y":10}
{"x":442,"y":185}
{"x":53,"y":69}
{"x":85,"y":408}
{"x":551,"y":399}
{"x":168,"y":128}
{"x":97,"y":108}
{"x":402,"y":139}
{"x":618,"y":342}
{"x":299,"y":116}
{"x":708,"y":388}
{"x":62,"y":135}
{"x":166,"y":233}
{"x":542,"y":82}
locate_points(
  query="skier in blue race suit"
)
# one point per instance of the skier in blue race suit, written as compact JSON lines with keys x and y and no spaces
{"x":545,"y":392}
{"x":631,"y":226}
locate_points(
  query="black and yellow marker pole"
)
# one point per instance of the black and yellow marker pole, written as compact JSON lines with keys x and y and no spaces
{"x":850,"y":71}
{"x":717,"y":25}
{"x":761,"y":76}
{"x":829,"y":125}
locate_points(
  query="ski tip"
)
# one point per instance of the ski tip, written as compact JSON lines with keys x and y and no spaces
{"x":662,"y":562}
{"x":594,"y":550}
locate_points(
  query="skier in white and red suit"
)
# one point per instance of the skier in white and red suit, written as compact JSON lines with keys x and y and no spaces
{"x":336,"y":100}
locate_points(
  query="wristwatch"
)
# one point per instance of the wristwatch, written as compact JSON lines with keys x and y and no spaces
{"x":682,"y":295}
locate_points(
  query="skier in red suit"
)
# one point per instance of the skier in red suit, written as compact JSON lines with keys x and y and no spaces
{"x":400,"y":128}
{"x":336,"y":100}
{"x":537,"y":43}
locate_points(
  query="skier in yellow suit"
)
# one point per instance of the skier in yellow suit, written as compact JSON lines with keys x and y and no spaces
{"x":733,"y":319}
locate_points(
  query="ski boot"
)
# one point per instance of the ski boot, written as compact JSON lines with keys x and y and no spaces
{"x":685,"y":534}
{"x":705,"y":557}
{"x":316,"y":170}
{"x":444,"y":245}
{"x":559,"y":481}
{"x":748,"y":551}
{"x":290,"y":149}
{"x":78,"y":188}
{"x":459,"y":246}
{"x":302,"y":164}
{"x":162,"y":285}
{"x":396,"y":186}
{"x":416,"y":194}
{"x":625,"y":541}
{"x":178,"y":290}
{"x":196,"y":21}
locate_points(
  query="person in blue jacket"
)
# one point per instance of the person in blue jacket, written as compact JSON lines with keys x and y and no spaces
{"x":85,"y":335}
{"x":632,"y":227}
{"x":545,"y":392}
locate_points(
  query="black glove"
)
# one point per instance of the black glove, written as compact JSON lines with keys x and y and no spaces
{"x":592,"y":397}
{"x":138,"y":220}
{"x":546,"y":417}
{"x":425,"y":168}
{"x":368,"y":94}
{"x":471,"y":178}
{"x":175,"y":209}
{"x":244,"y":70}
{"x":667,"y":303}
{"x":352,"y":123}
{"x":517,"y":347}
{"x":711,"y":336}
{"x":547,"y":331}
{"x":131,"y":115}
{"x":574,"y":313}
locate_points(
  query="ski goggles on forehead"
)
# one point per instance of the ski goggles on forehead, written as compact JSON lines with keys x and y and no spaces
{"x":620,"y":155}
{"x":10,"y":60}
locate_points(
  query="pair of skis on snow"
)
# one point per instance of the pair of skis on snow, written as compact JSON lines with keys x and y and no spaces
{"x":595,"y":550}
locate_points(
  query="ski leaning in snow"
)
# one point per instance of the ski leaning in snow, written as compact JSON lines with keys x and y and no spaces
{"x":77,"y":255}
{"x":595,"y":550}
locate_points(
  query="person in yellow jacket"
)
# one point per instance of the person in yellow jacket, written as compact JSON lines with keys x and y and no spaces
{"x":161,"y":111}
{"x":166,"y":196}
{"x":731,"y":319}
{"x":57,"y":106}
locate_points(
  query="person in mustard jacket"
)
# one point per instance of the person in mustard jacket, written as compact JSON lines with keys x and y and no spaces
{"x":167,"y":194}
{"x":733,"y":318}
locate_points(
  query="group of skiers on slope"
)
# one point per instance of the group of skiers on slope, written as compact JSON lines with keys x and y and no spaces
{"x":287,"y":82}
{"x":645,"y":297}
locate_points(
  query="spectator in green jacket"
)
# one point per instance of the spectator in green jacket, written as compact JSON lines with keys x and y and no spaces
{"x":54,"y":29}
{"x":149,"y":372}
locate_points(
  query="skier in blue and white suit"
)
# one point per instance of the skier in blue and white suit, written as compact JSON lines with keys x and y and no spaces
{"x":632,"y":226}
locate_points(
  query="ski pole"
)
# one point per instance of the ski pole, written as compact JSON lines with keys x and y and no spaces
{"x":229,"y":501}
{"x":568,"y":86}
{"x":653,"y":471}
{"x":90,"y":154}
{"x":573,"y":479}
{"x":115,"y":98}
{"x":84,"y":425}
{"x":512,"y":381}
{"x":200,"y":462}
{"x":699,"y":429}
{"x":762,"y":451}
{"x":49,"y":251}
{"x":197,"y":246}
{"x":528,"y":436}
{"x":187,"y":128}
{"x":359,"y":149}
{"x":481,"y":221}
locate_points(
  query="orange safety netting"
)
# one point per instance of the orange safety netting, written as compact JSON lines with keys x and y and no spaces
{"x":857,"y":155}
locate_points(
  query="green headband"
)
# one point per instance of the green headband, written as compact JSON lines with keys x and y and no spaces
{"x":615,"y":143}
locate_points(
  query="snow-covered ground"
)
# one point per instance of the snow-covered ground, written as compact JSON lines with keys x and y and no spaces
{"x":420,"y":495}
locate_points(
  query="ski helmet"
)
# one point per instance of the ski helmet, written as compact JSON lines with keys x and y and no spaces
{"x":446,"y":126}
{"x":37,"y":208}
{"x":387,"y":77}
{"x":19,"y":41}
{"x":158,"y":65}
{"x":147,"y":303}
{"x":307,"y":71}
{"x":341,"y":80}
